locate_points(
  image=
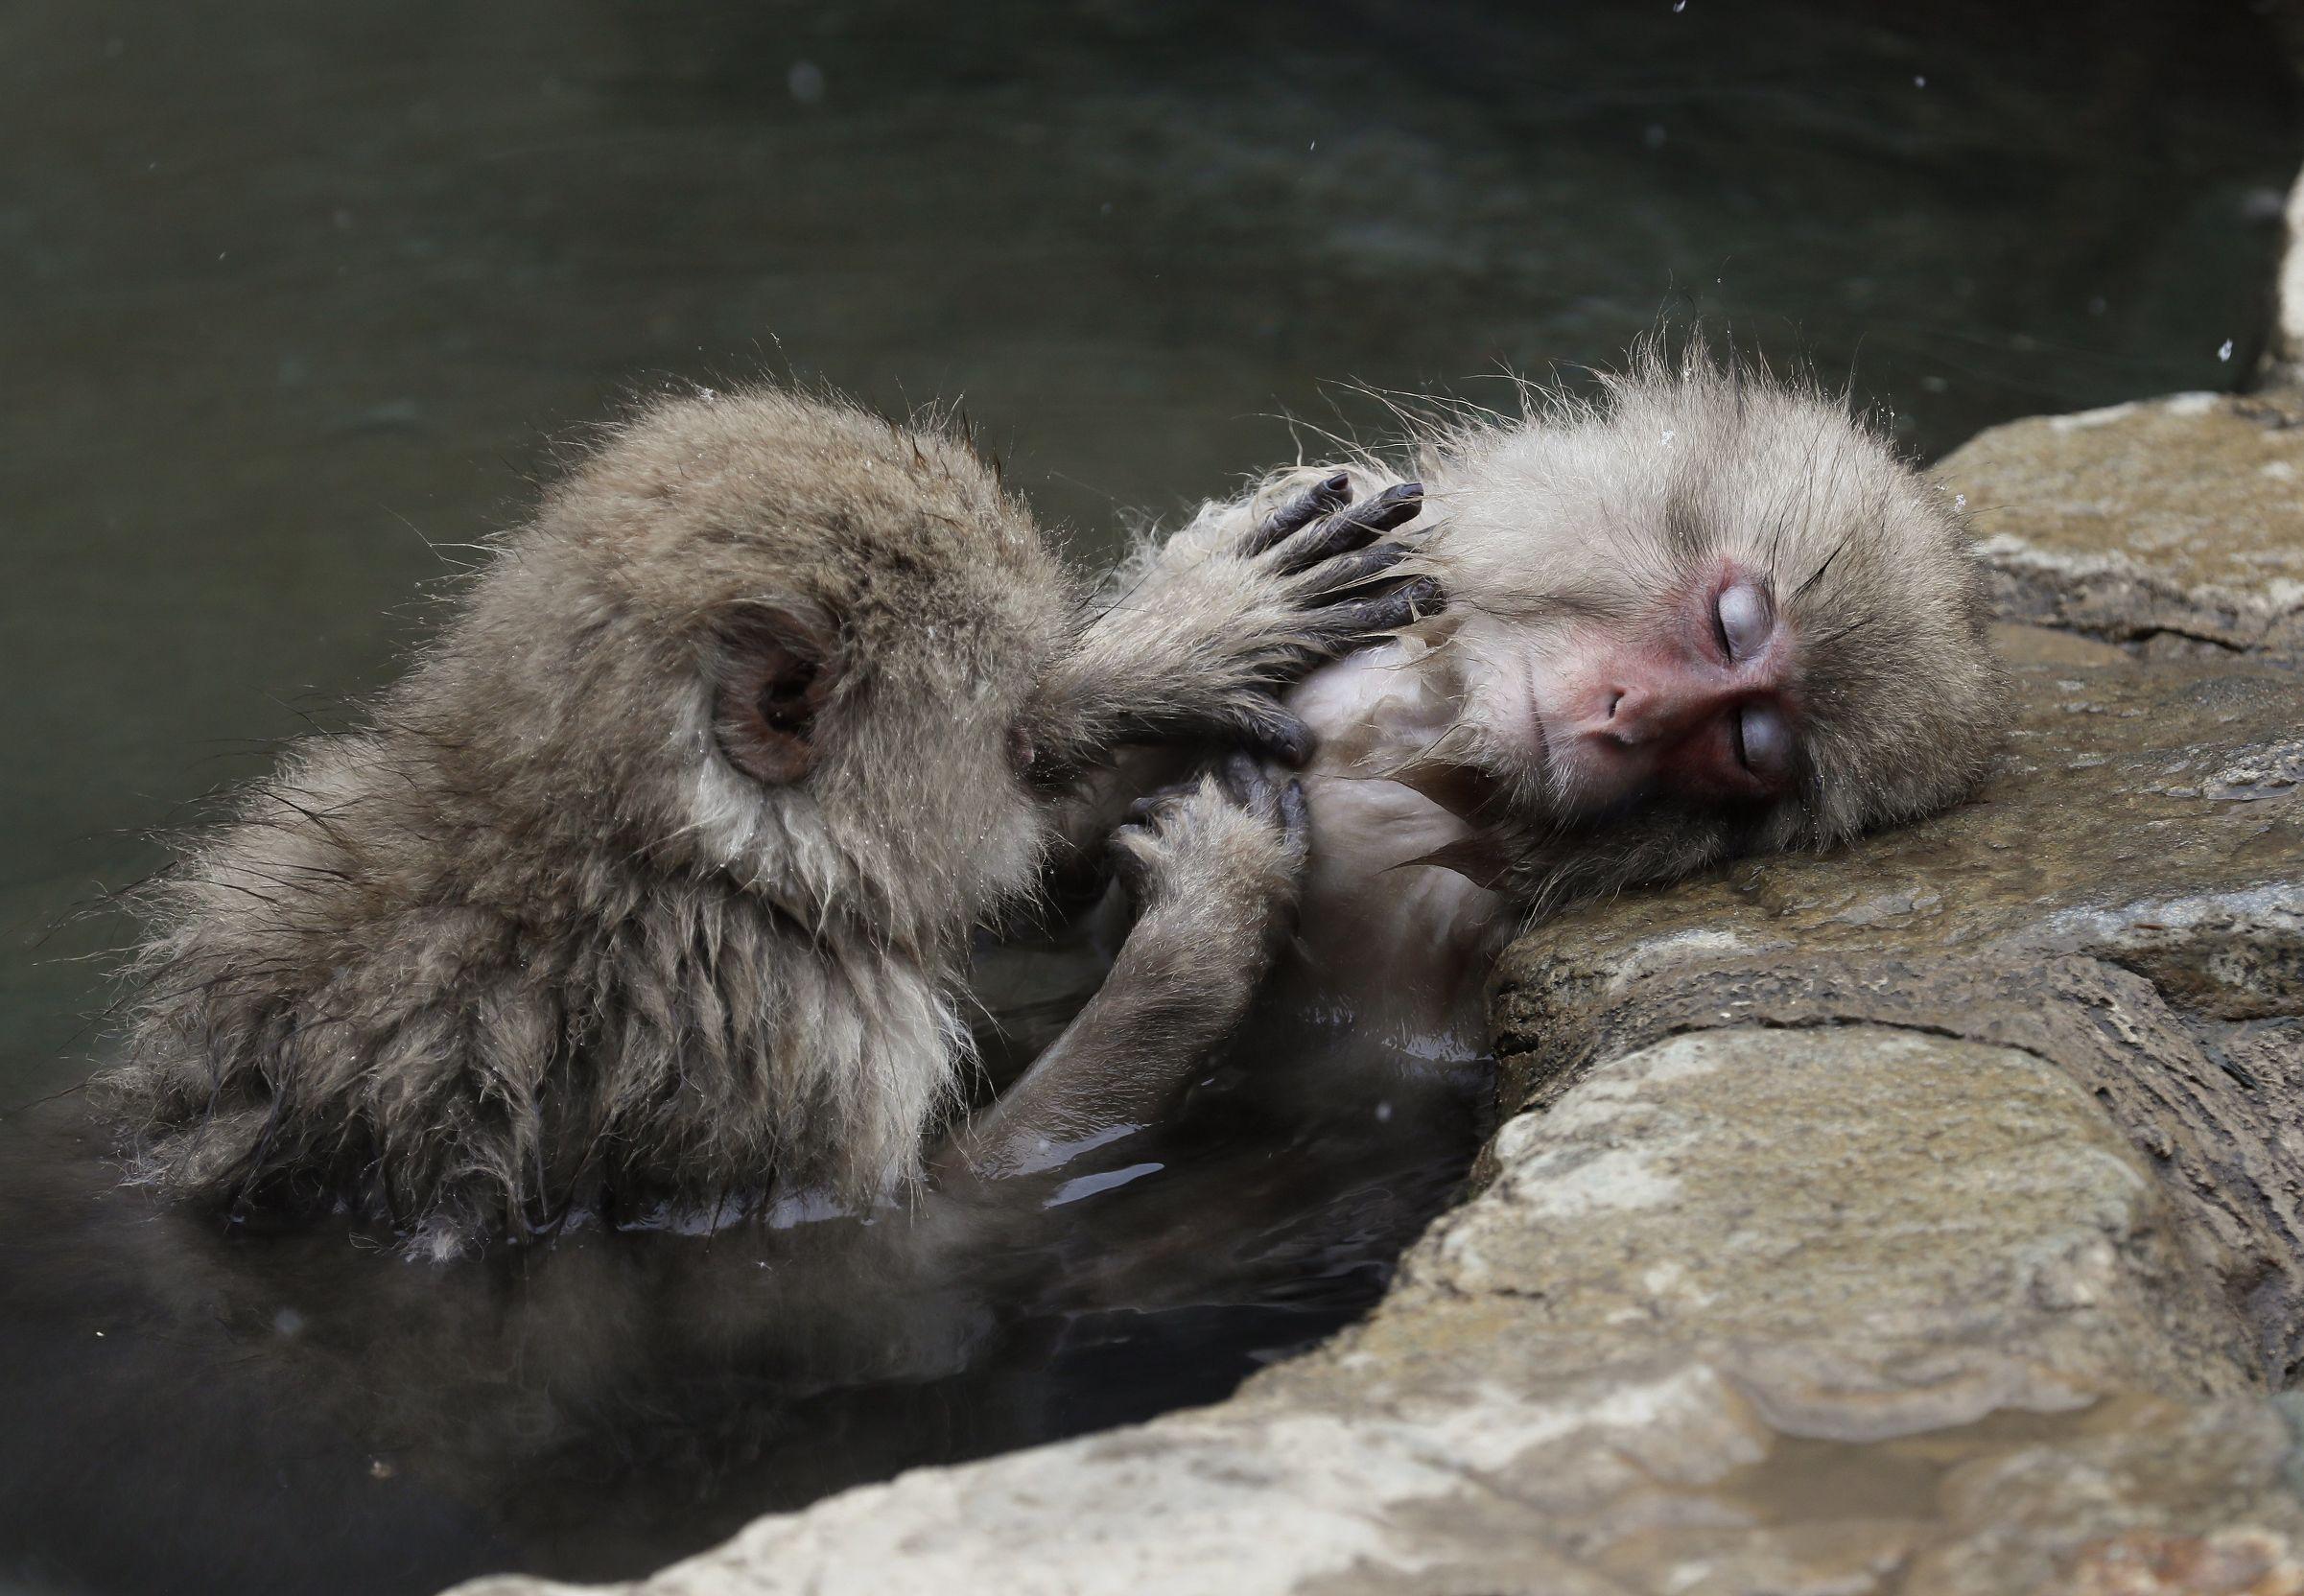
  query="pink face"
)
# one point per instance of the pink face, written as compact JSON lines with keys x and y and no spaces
{"x":1695,"y":704}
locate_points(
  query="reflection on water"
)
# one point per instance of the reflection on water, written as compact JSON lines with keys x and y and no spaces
{"x":305,"y":1411}
{"x":295,"y":293}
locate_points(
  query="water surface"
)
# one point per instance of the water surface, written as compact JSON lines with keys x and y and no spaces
{"x":298,"y":297}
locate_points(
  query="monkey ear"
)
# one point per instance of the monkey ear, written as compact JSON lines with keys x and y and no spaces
{"x":778,"y":668}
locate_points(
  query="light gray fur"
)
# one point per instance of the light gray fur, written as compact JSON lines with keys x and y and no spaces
{"x":1576,"y":510}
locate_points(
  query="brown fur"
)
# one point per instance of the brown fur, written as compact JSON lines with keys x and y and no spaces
{"x":649,"y":882}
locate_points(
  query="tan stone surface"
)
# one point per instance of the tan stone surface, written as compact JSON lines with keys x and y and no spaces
{"x":2182,"y":515}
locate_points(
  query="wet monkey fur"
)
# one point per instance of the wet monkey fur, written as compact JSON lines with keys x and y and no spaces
{"x":650,"y":882}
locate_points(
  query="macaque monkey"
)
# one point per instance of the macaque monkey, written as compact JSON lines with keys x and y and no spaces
{"x":649,"y":885}
{"x":1708,"y":615}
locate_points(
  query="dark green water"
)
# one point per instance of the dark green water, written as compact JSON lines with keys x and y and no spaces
{"x":294,"y":293}
{"x":295,"y":296}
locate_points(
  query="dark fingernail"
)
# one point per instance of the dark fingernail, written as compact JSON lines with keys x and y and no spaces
{"x":1390,"y":509}
{"x":1292,"y":742}
{"x":1299,"y":512}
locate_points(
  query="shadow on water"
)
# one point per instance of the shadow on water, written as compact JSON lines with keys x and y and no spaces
{"x":293,"y":292}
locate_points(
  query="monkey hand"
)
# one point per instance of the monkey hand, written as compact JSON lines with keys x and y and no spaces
{"x":1214,"y":866}
{"x":1238,"y":607}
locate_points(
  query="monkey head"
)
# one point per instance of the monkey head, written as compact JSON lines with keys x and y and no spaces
{"x":778,"y":640}
{"x":1712,"y":614}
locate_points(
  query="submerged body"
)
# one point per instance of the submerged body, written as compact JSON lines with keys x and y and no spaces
{"x":1396,"y":949}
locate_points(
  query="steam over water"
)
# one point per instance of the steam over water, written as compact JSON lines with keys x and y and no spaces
{"x":295,"y":297}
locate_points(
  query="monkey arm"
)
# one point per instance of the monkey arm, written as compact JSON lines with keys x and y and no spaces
{"x":1195,"y":641}
{"x":1215,"y":867}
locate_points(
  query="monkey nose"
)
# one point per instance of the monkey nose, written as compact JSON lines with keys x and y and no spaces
{"x":1636,"y":714}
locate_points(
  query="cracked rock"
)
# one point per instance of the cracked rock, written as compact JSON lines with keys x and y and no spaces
{"x":2181,"y":516}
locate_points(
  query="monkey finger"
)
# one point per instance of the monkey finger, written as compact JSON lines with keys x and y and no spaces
{"x":1270,"y":730}
{"x":1130,"y":852}
{"x":1147,"y":806}
{"x":1336,"y":578}
{"x":1295,"y":814}
{"x":1246,"y":784}
{"x":1355,"y":528}
{"x":1299,"y":512}
{"x":1386,"y":612}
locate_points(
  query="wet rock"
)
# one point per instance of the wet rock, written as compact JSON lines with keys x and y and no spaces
{"x":1872,"y":1230}
{"x":2181,"y":516}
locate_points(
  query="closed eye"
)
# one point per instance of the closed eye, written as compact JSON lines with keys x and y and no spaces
{"x":1741,"y":620}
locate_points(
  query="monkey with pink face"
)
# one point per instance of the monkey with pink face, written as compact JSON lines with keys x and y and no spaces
{"x":1707,"y":614}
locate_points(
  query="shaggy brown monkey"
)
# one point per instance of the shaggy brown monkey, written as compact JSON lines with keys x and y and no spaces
{"x":650,"y":882}
{"x":1709,"y":614}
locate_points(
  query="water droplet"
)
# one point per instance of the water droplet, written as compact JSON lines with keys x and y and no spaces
{"x":2224,"y":351}
{"x":1669,"y":434}
{"x":1920,"y":80}
{"x":1679,"y":6}
{"x":806,"y":80}
{"x":1314,"y":145}
{"x":1960,"y":501}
